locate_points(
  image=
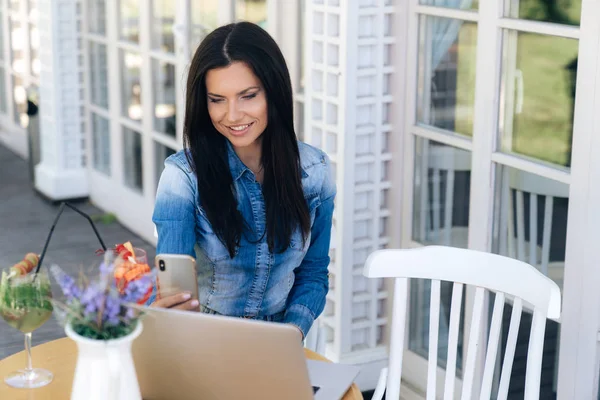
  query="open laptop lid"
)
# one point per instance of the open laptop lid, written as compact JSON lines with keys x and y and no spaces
{"x":186,"y":355}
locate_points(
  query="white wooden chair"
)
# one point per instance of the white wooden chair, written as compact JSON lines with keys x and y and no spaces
{"x":508,"y":278}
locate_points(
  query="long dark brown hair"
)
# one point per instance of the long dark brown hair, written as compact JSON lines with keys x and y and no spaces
{"x":286,"y":208}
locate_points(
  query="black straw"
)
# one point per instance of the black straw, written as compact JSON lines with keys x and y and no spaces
{"x":60,"y":211}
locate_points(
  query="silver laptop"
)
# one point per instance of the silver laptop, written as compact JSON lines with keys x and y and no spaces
{"x":187,"y":355}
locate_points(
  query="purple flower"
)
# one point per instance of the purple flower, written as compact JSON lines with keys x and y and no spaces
{"x":112,"y":309}
{"x":66,"y":282}
{"x":137,"y":289}
{"x":92,"y":298}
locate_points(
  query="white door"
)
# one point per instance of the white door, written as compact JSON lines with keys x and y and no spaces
{"x":489,"y":111}
{"x":137,"y":57}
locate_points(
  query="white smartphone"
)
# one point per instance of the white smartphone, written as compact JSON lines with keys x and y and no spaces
{"x":176,"y":274}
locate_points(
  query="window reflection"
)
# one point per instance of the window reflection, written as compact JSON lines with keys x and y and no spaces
{"x":1,"y":30}
{"x":132,"y":159}
{"x":161,"y":152}
{"x":33,"y":10}
{"x":97,"y":16}
{"x":19,"y":101}
{"x":163,"y":18}
{"x":101,"y":143}
{"x":18,"y":46}
{"x":252,"y":11}
{"x":538,"y":95}
{"x":446,"y":75}
{"x":557,"y":11}
{"x":98,"y":74}
{"x":530,"y":220}
{"x":442,"y":184}
{"x":129,"y":21}
{"x":34,"y":41}
{"x":165,"y":116}
{"x":205,"y":18}
{"x":457,"y":4}
{"x":3,"y":102}
{"x":131,"y":89}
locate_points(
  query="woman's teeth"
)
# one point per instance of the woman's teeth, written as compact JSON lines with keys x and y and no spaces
{"x":239,"y":128}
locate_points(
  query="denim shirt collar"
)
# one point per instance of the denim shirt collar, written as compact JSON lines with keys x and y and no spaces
{"x":237,"y":167}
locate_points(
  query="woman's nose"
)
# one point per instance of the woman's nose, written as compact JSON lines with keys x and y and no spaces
{"x":234,"y":114}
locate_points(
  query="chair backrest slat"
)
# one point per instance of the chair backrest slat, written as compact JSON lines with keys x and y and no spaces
{"x":492,"y":348}
{"x":397,"y":332}
{"x":511,"y":345}
{"x":434,"y":330}
{"x":474,"y":336}
{"x":453,"y":329}
{"x":535,"y":352}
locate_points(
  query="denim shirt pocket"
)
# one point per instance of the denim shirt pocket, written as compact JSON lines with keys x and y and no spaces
{"x":313,"y":202}
{"x":208,"y":241}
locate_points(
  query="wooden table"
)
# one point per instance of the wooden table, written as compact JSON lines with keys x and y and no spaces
{"x":60,"y":356}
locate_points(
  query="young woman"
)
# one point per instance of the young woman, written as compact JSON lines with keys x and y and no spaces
{"x":252,"y":204}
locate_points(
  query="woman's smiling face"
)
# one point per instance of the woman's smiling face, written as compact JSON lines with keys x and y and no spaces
{"x":237,"y":104}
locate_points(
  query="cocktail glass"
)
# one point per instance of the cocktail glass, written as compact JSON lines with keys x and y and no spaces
{"x":26,"y":304}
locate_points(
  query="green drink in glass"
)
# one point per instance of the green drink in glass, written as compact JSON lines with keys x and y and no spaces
{"x":26,"y":304}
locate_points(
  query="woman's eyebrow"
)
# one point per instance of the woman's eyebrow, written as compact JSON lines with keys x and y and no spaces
{"x":239,"y":94}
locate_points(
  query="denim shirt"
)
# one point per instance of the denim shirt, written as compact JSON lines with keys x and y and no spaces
{"x":255,"y":283}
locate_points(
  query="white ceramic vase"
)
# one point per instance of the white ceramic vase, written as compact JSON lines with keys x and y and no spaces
{"x":105,"y":368}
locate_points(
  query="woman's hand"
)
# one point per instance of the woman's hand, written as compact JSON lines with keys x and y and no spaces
{"x":179,"y":301}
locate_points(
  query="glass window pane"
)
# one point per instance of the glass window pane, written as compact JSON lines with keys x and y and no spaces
{"x":530,"y":224}
{"x":301,"y":21}
{"x":97,"y":17}
{"x":98,"y":74}
{"x":252,"y":11}
{"x":442,"y":184}
{"x":34,"y":43}
{"x":557,"y":11}
{"x":3,"y":101}
{"x":446,"y":75}
{"x":531,"y":220}
{"x":14,"y":6}
{"x":132,"y":159}
{"x":131,"y":89}
{"x":33,"y":10}
{"x":163,"y":83}
{"x":538,"y":95}
{"x":205,"y":18}
{"x":161,"y":152}
{"x":19,"y":100}
{"x":299,"y":113}
{"x":460,"y":4}
{"x":129,"y":21}
{"x":18,"y":47}
{"x":1,"y":31}
{"x":163,"y":18}
{"x":101,"y":143}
